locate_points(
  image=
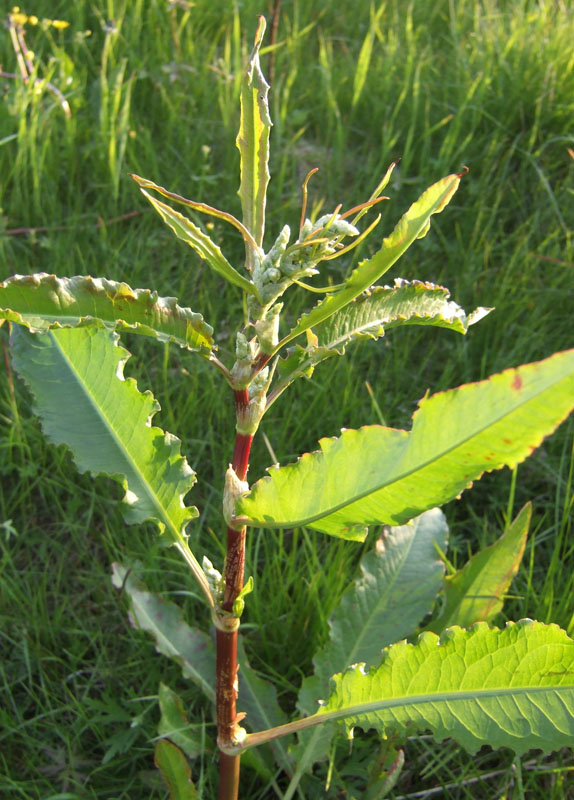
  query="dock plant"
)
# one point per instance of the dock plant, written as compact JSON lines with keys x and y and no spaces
{"x":461,"y":678}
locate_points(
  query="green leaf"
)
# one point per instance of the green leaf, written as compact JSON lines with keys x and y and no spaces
{"x":253,"y":145}
{"x":476,"y":592}
{"x":398,"y":584}
{"x":185,"y":230}
{"x":505,"y":688}
{"x":41,"y":302}
{"x":144,"y":183}
{"x":370,"y":315}
{"x":84,"y":402}
{"x":191,"y":648}
{"x":175,"y":771}
{"x":381,"y":475}
{"x":173,"y":724}
{"x":412,"y":225}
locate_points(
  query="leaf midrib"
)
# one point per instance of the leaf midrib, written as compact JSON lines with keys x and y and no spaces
{"x":164,"y":516}
{"x":362,"y":709}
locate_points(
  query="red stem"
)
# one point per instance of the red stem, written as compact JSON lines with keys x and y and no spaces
{"x":226,"y":679}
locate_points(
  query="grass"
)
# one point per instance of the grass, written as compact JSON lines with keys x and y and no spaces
{"x":153,"y":89}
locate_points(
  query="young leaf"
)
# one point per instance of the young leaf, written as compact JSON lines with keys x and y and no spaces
{"x":412,"y":225}
{"x":173,"y":724}
{"x":41,"y":302}
{"x":370,"y":315}
{"x":505,"y":688}
{"x":253,"y":145}
{"x":175,"y":771}
{"x":84,"y":401}
{"x":185,"y":230}
{"x":144,"y":183}
{"x":381,"y":475}
{"x":476,"y":592}
{"x":191,"y":648}
{"x":398,"y":584}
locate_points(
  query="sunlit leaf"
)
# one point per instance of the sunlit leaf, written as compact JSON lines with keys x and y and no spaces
{"x":476,"y":592}
{"x":41,"y":302}
{"x":504,"y":688}
{"x":381,"y":475}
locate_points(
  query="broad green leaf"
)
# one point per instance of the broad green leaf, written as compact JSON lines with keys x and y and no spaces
{"x":41,"y":302}
{"x":398,"y":585}
{"x":381,"y":475}
{"x":84,"y":402}
{"x":185,"y":230}
{"x":253,"y":145}
{"x":191,"y":648}
{"x":504,"y":688}
{"x":173,"y":724}
{"x":412,"y":225}
{"x":476,"y":592}
{"x":175,"y":771}
{"x":371,"y":314}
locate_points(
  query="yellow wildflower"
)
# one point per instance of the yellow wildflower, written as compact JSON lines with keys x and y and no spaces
{"x":17,"y":18}
{"x":59,"y":24}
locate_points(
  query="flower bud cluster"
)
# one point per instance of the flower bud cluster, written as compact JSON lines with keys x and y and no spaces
{"x":283,"y":264}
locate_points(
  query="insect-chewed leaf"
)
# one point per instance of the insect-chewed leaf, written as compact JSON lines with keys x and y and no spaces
{"x":381,"y":475}
{"x":41,"y":302}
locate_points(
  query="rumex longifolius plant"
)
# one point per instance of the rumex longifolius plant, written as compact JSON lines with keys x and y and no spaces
{"x":474,"y":683}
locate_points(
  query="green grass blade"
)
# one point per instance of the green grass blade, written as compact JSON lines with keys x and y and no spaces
{"x":83,"y":401}
{"x":476,"y":592}
{"x":41,"y":302}
{"x":505,"y":688}
{"x":414,"y":224}
{"x":382,"y":475}
{"x":364,"y":59}
{"x":253,"y":145}
{"x":189,"y":233}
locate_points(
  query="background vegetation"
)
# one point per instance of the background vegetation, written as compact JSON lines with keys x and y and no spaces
{"x":152,"y":87}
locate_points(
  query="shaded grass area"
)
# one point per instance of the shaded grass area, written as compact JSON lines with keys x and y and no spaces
{"x":154,"y":89}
